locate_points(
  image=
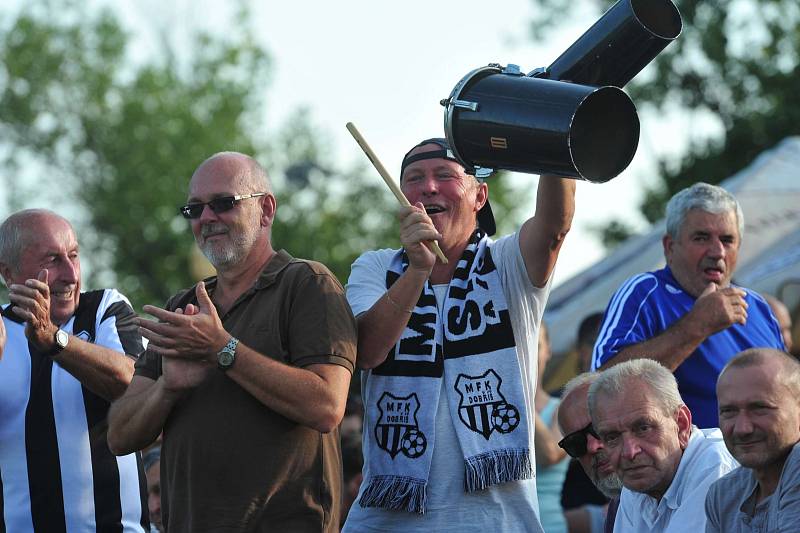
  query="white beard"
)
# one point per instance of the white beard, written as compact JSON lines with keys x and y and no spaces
{"x":223,"y":255}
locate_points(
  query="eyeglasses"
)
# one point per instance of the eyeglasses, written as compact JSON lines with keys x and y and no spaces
{"x":217,"y":205}
{"x":575,"y":443}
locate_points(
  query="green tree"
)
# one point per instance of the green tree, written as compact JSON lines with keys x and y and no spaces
{"x":84,"y":127}
{"x":324,"y":213}
{"x":118,"y":143}
{"x":736,"y":61}
{"x":112,"y":144}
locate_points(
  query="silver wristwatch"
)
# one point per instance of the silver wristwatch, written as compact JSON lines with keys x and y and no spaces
{"x":61,"y":339}
{"x":227,"y":355}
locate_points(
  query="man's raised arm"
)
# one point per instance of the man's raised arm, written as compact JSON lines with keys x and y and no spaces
{"x":542,"y":235}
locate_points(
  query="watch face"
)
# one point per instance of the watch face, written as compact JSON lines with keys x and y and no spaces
{"x":225,"y":358}
{"x":62,"y":338}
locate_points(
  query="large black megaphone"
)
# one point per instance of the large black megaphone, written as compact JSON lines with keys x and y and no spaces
{"x":571,"y":118}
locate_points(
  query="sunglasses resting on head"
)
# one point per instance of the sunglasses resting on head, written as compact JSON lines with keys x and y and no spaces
{"x":217,"y":205}
{"x":575,"y":443}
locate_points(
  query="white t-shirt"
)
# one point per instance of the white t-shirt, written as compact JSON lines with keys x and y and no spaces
{"x":682,"y":508}
{"x":505,"y":507}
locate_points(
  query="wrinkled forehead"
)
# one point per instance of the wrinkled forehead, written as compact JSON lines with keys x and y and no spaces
{"x":49,"y":231}
{"x":629,"y":415}
{"x":761,"y":379}
{"x":614,"y":402}
{"x":698,"y":219}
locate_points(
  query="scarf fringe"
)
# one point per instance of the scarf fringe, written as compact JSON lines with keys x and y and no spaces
{"x":497,"y":466}
{"x":396,"y":493}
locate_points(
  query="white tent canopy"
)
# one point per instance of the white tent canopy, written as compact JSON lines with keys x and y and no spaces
{"x":769,"y":260}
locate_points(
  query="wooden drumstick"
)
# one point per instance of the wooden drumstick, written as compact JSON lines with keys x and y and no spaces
{"x":392,"y":184}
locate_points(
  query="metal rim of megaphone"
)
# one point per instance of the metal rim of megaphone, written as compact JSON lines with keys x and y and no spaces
{"x":580,"y":110}
{"x":575,"y":149}
{"x":492,"y":68}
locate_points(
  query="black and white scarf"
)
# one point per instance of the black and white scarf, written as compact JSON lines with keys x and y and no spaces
{"x":471,"y":347}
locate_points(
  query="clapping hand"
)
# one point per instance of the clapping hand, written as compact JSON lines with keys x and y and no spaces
{"x":31,"y":302}
{"x":195,"y":333}
{"x":187,"y":339}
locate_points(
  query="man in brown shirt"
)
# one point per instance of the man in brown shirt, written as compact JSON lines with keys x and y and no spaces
{"x":246,"y":374}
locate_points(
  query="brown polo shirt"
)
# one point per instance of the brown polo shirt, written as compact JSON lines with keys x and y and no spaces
{"x":229,"y":463}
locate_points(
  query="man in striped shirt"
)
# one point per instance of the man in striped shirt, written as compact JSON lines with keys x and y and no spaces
{"x":66,"y":356}
{"x":688,"y":316}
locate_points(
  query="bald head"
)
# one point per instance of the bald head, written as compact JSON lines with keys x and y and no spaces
{"x":573,"y":411}
{"x":18,"y":230}
{"x":245,"y":172}
{"x":759,"y":411}
{"x":787,"y":368}
{"x":574,"y":421}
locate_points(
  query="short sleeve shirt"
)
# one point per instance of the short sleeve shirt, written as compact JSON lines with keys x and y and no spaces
{"x":648,"y":304}
{"x":504,"y":507}
{"x":731,"y":502}
{"x":229,"y":462}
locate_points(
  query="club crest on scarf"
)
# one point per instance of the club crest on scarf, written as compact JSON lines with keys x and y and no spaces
{"x":483,"y":408}
{"x":397,"y":429}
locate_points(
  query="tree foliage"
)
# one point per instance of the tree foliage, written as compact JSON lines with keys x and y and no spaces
{"x":117,"y":142}
{"x":111,"y":143}
{"x":736,"y":61}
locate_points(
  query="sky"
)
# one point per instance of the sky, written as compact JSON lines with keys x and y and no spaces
{"x":385,"y":66}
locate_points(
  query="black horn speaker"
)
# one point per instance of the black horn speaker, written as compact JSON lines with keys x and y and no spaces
{"x":571,"y":118}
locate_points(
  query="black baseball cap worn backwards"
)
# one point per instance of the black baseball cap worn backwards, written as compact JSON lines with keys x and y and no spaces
{"x":485,"y":215}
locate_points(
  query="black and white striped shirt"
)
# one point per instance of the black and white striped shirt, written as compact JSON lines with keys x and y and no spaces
{"x":56,"y":471}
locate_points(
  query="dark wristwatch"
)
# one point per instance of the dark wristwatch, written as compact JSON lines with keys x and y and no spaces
{"x":227,"y":355}
{"x":61,"y":339}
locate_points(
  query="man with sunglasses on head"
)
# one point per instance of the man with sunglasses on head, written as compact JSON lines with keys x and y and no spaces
{"x":451,"y":355}
{"x":67,"y":355}
{"x":246,"y":373}
{"x":582,"y":443}
{"x":666,"y":464}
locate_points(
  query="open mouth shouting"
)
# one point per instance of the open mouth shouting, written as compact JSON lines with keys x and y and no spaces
{"x":433,"y":209}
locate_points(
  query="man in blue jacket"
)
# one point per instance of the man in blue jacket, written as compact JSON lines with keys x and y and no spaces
{"x":688,"y":316}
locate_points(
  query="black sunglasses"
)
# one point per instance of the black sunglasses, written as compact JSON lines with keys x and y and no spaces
{"x":575,"y":443}
{"x":217,"y":205}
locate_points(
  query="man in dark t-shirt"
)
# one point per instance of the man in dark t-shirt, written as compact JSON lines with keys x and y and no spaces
{"x":246,"y":373}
